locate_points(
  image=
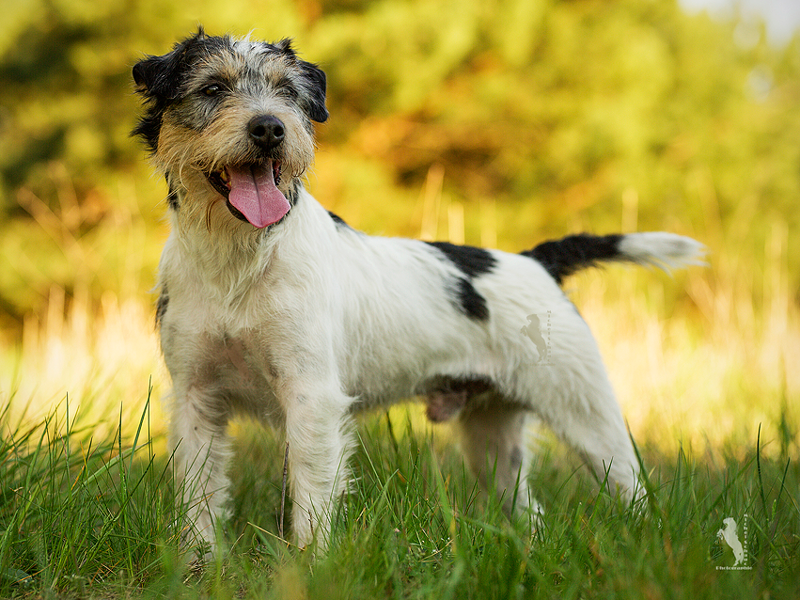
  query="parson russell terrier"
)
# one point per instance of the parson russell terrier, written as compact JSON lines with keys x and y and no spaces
{"x":272,"y":306}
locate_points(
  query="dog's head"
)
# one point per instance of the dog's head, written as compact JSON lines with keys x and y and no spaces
{"x":229,"y":121}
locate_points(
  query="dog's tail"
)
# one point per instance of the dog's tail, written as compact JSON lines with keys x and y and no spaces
{"x":575,"y":252}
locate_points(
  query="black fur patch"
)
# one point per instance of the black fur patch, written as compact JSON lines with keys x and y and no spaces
{"x":173,"y":200}
{"x":338,"y":220}
{"x":472,"y":261}
{"x":314,"y":102}
{"x":294,"y":193}
{"x":563,"y":257}
{"x":471,"y":302}
{"x":161,"y":305}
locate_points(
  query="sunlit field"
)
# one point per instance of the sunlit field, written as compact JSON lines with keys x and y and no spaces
{"x":703,"y":372}
{"x":490,"y":129}
{"x":700,"y":358}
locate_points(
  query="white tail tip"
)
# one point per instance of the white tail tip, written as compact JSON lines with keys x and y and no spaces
{"x":663,"y":250}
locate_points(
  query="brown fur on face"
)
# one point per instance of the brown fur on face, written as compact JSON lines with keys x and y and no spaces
{"x":201,"y":97}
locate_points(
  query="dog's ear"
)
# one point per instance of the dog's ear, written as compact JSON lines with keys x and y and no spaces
{"x":159,"y":76}
{"x":159,"y":80}
{"x":285,"y":47}
{"x":154,"y":76}
{"x":315,"y":99}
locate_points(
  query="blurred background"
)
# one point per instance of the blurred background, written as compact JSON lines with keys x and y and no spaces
{"x":488,"y":122}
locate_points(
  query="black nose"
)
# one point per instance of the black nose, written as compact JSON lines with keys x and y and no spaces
{"x":266,"y":131}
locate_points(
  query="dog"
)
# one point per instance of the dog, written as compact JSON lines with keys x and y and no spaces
{"x":270,"y":305}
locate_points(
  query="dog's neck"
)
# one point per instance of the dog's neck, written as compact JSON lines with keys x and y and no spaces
{"x":229,"y":258}
{"x":224,"y":252}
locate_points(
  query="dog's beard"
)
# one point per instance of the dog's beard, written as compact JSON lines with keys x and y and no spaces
{"x":251,"y":191}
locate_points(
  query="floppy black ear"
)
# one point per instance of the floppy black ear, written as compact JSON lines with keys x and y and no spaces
{"x":159,"y":79}
{"x":155,"y":76}
{"x":159,"y":76}
{"x":315,"y":101}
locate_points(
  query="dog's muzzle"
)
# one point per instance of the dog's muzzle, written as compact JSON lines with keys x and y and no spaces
{"x":251,"y":189}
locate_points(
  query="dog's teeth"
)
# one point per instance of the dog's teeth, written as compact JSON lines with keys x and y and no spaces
{"x":223,"y":175}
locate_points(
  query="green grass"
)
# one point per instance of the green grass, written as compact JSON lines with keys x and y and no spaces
{"x":88,"y":518}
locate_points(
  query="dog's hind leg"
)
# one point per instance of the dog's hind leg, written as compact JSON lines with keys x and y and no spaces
{"x":591,"y":422}
{"x":494,"y":442}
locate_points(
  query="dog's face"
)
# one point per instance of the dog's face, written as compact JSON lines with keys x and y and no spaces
{"x":229,"y":122}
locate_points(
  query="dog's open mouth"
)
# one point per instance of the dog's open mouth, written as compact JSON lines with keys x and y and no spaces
{"x":252,"y":191}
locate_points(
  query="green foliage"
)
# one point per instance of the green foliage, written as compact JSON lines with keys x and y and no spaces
{"x":555,"y":110}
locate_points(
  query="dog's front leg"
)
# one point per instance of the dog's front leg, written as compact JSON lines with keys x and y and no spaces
{"x":317,"y":433}
{"x":200,"y":445}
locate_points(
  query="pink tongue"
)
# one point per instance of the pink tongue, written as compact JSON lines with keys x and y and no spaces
{"x":253,"y":193}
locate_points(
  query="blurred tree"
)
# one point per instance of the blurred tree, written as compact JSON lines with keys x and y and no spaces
{"x":555,"y":110}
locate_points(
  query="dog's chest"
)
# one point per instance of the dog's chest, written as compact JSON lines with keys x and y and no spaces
{"x":235,"y":359}
{"x":242,"y":372}
{"x":233,"y":364}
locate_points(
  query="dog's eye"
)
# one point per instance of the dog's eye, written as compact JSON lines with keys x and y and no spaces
{"x":212,"y":90}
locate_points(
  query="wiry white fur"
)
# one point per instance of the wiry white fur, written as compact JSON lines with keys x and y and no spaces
{"x":305,"y":323}
{"x":662,"y":250}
